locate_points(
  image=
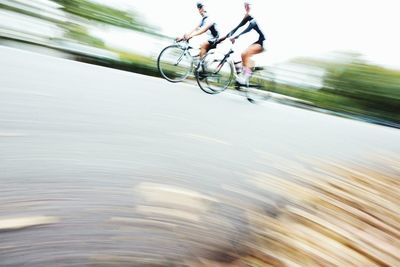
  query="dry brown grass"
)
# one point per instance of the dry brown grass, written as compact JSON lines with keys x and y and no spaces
{"x":335,"y":215}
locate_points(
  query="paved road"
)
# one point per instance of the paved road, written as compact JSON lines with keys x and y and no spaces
{"x":91,"y":158}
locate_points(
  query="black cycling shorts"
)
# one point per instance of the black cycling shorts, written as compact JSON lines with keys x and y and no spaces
{"x":213,"y":43}
{"x":260,"y":42}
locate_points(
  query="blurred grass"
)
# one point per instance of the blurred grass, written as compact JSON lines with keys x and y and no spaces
{"x":126,"y":61}
{"x":306,"y":212}
{"x":385,"y":112}
{"x":334,"y":215}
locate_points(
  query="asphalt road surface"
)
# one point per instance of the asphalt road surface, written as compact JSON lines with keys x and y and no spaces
{"x":100,"y":166}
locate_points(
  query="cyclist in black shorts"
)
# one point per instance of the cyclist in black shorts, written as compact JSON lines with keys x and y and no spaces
{"x":206,"y":25}
{"x":255,"y":48}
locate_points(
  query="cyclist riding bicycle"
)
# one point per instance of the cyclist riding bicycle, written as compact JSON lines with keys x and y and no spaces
{"x":206,"y":25}
{"x":255,"y":48}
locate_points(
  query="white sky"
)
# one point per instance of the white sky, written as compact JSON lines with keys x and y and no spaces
{"x":292,"y":27}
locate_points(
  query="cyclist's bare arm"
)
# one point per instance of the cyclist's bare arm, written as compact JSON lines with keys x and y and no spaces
{"x":200,"y":31}
{"x":184,"y":37}
{"x":192,"y":31}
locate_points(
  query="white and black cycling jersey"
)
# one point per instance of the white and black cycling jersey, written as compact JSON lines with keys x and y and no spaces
{"x":213,"y":29}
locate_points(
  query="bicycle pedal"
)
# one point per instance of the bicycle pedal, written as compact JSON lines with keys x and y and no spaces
{"x":238,"y":86}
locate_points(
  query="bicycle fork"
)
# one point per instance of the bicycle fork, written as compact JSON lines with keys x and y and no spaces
{"x":180,"y":58}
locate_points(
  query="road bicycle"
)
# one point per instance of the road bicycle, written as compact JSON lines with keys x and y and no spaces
{"x":213,"y":74}
{"x":216,"y":73}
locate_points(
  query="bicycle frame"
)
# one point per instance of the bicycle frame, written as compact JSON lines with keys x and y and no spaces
{"x":186,"y":47}
{"x":227,"y":58}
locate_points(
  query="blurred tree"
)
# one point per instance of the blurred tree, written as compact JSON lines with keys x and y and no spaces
{"x":373,"y":88}
{"x":351,"y":85}
{"x":77,"y":32}
{"x":105,"y":14}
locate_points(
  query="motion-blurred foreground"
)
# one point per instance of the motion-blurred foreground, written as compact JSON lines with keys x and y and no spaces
{"x":107,"y":168}
{"x":328,"y":214}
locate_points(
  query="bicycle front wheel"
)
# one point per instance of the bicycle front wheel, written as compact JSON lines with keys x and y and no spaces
{"x":174,"y":63}
{"x":214,"y":75}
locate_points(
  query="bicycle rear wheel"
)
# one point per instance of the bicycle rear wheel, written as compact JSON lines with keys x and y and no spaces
{"x":214,"y":76}
{"x":174,"y":63}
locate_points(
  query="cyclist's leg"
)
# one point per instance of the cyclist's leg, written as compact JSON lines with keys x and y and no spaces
{"x":252,"y":50}
{"x":249,"y":52}
{"x":204,"y":49}
{"x":207,"y":46}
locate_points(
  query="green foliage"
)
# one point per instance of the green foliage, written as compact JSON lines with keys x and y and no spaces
{"x":105,"y":14}
{"x":79,"y":33}
{"x":352,"y":86}
{"x":128,"y":62}
{"x":373,"y":89}
{"x":360,"y":80}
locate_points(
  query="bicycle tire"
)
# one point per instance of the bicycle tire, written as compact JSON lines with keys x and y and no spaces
{"x":171,"y":71}
{"x":208,"y":75}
